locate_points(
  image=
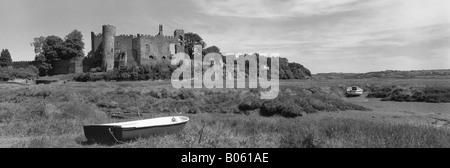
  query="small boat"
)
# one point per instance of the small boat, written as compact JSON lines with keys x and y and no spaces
{"x":354,"y":91}
{"x":124,"y":131}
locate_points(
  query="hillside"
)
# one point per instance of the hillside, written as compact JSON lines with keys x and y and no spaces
{"x":388,"y":74}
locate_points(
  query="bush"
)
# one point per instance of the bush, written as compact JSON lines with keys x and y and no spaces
{"x":381,"y":91}
{"x":22,"y":73}
{"x":279,"y":107}
{"x":426,"y":94}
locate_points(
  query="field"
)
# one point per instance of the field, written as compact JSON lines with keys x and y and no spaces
{"x":307,"y":113}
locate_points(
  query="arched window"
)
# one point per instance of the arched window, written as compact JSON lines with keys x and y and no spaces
{"x":147,"y":49}
{"x":180,"y":37}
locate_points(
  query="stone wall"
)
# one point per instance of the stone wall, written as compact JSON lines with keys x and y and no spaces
{"x":67,"y":66}
{"x":124,"y":44}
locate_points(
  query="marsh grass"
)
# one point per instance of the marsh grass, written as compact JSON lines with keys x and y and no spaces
{"x":53,"y":116}
{"x":232,"y":131}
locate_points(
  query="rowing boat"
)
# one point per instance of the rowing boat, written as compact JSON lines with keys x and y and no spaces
{"x":354,"y":91}
{"x":124,"y":131}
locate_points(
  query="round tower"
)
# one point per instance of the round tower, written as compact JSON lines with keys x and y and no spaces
{"x":109,"y":34}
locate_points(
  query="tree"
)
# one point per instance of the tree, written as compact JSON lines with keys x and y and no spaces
{"x":38,"y":42}
{"x":42,"y":64}
{"x":51,"y":51}
{"x":212,"y":49}
{"x":5,"y":58}
{"x":73,"y":45}
{"x":52,"y":48}
{"x":191,"y":40}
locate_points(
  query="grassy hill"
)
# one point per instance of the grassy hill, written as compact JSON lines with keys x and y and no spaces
{"x":388,"y":74}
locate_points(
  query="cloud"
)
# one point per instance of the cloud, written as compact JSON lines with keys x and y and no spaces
{"x":315,"y":33}
{"x":271,"y":8}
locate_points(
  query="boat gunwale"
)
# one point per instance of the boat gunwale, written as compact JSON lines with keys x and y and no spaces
{"x":141,"y":127}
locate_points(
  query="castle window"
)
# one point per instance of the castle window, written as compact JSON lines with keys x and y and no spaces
{"x":180,"y":37}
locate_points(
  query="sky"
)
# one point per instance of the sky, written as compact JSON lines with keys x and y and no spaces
{"x":323,"y":35}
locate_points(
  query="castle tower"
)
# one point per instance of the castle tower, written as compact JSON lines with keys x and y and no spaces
{"x":160,"y":30}
{"x":179,"y":35}
{"x":109,"y":34}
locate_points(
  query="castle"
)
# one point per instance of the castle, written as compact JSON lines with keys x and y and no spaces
{"x":128,"y":50}
{"x":110,"y":51}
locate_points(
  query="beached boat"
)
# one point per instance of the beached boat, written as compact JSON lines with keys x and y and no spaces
{"x":354,"y":91}
{"x":123,"y":131}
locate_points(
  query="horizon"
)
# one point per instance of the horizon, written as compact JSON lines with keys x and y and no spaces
{"x":346,"y":36}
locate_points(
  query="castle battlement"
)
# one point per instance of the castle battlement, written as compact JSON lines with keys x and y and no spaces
{"x":145,"y":35}
{"x":22,"y":61}
{"x":126,"y":35}
{"x":99,"y":35}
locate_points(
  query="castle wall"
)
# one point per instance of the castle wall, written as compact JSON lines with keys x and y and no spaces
{"x":124,"y":43}
{"x":141,"y":50}
{"x":136,"y":53}
{"x":179,"y":40}
{"x":96,"y":42}
{"x":67,"y":66}
{"x":153,"y":48}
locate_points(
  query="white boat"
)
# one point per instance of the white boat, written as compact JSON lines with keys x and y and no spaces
{"x":354,"y":91}
{"x":123,"y":131}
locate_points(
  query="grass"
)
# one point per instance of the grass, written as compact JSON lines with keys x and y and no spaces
{"x":53,"y":116}
{"x":232,"y":131}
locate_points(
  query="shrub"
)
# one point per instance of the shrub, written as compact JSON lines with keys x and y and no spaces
{"x":426,"y":94}
{"x":381,"y":91}
{"x":22,"y":73}
{"x":283,"y":108}
{"x":251,"y":104}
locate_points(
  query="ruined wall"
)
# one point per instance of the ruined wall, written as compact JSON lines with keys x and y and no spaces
{"x":153,"y":48}
{"x":124,"y":44}
{"x":67,"y":66}
{"x":94,"y":57}
{"x":136,"y":54}
{"x":179,"y":40}
{"x":96,"y":44}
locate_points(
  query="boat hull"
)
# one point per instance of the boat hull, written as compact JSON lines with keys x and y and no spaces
{"x":112,"y":134}
{"x":353,"y":94}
